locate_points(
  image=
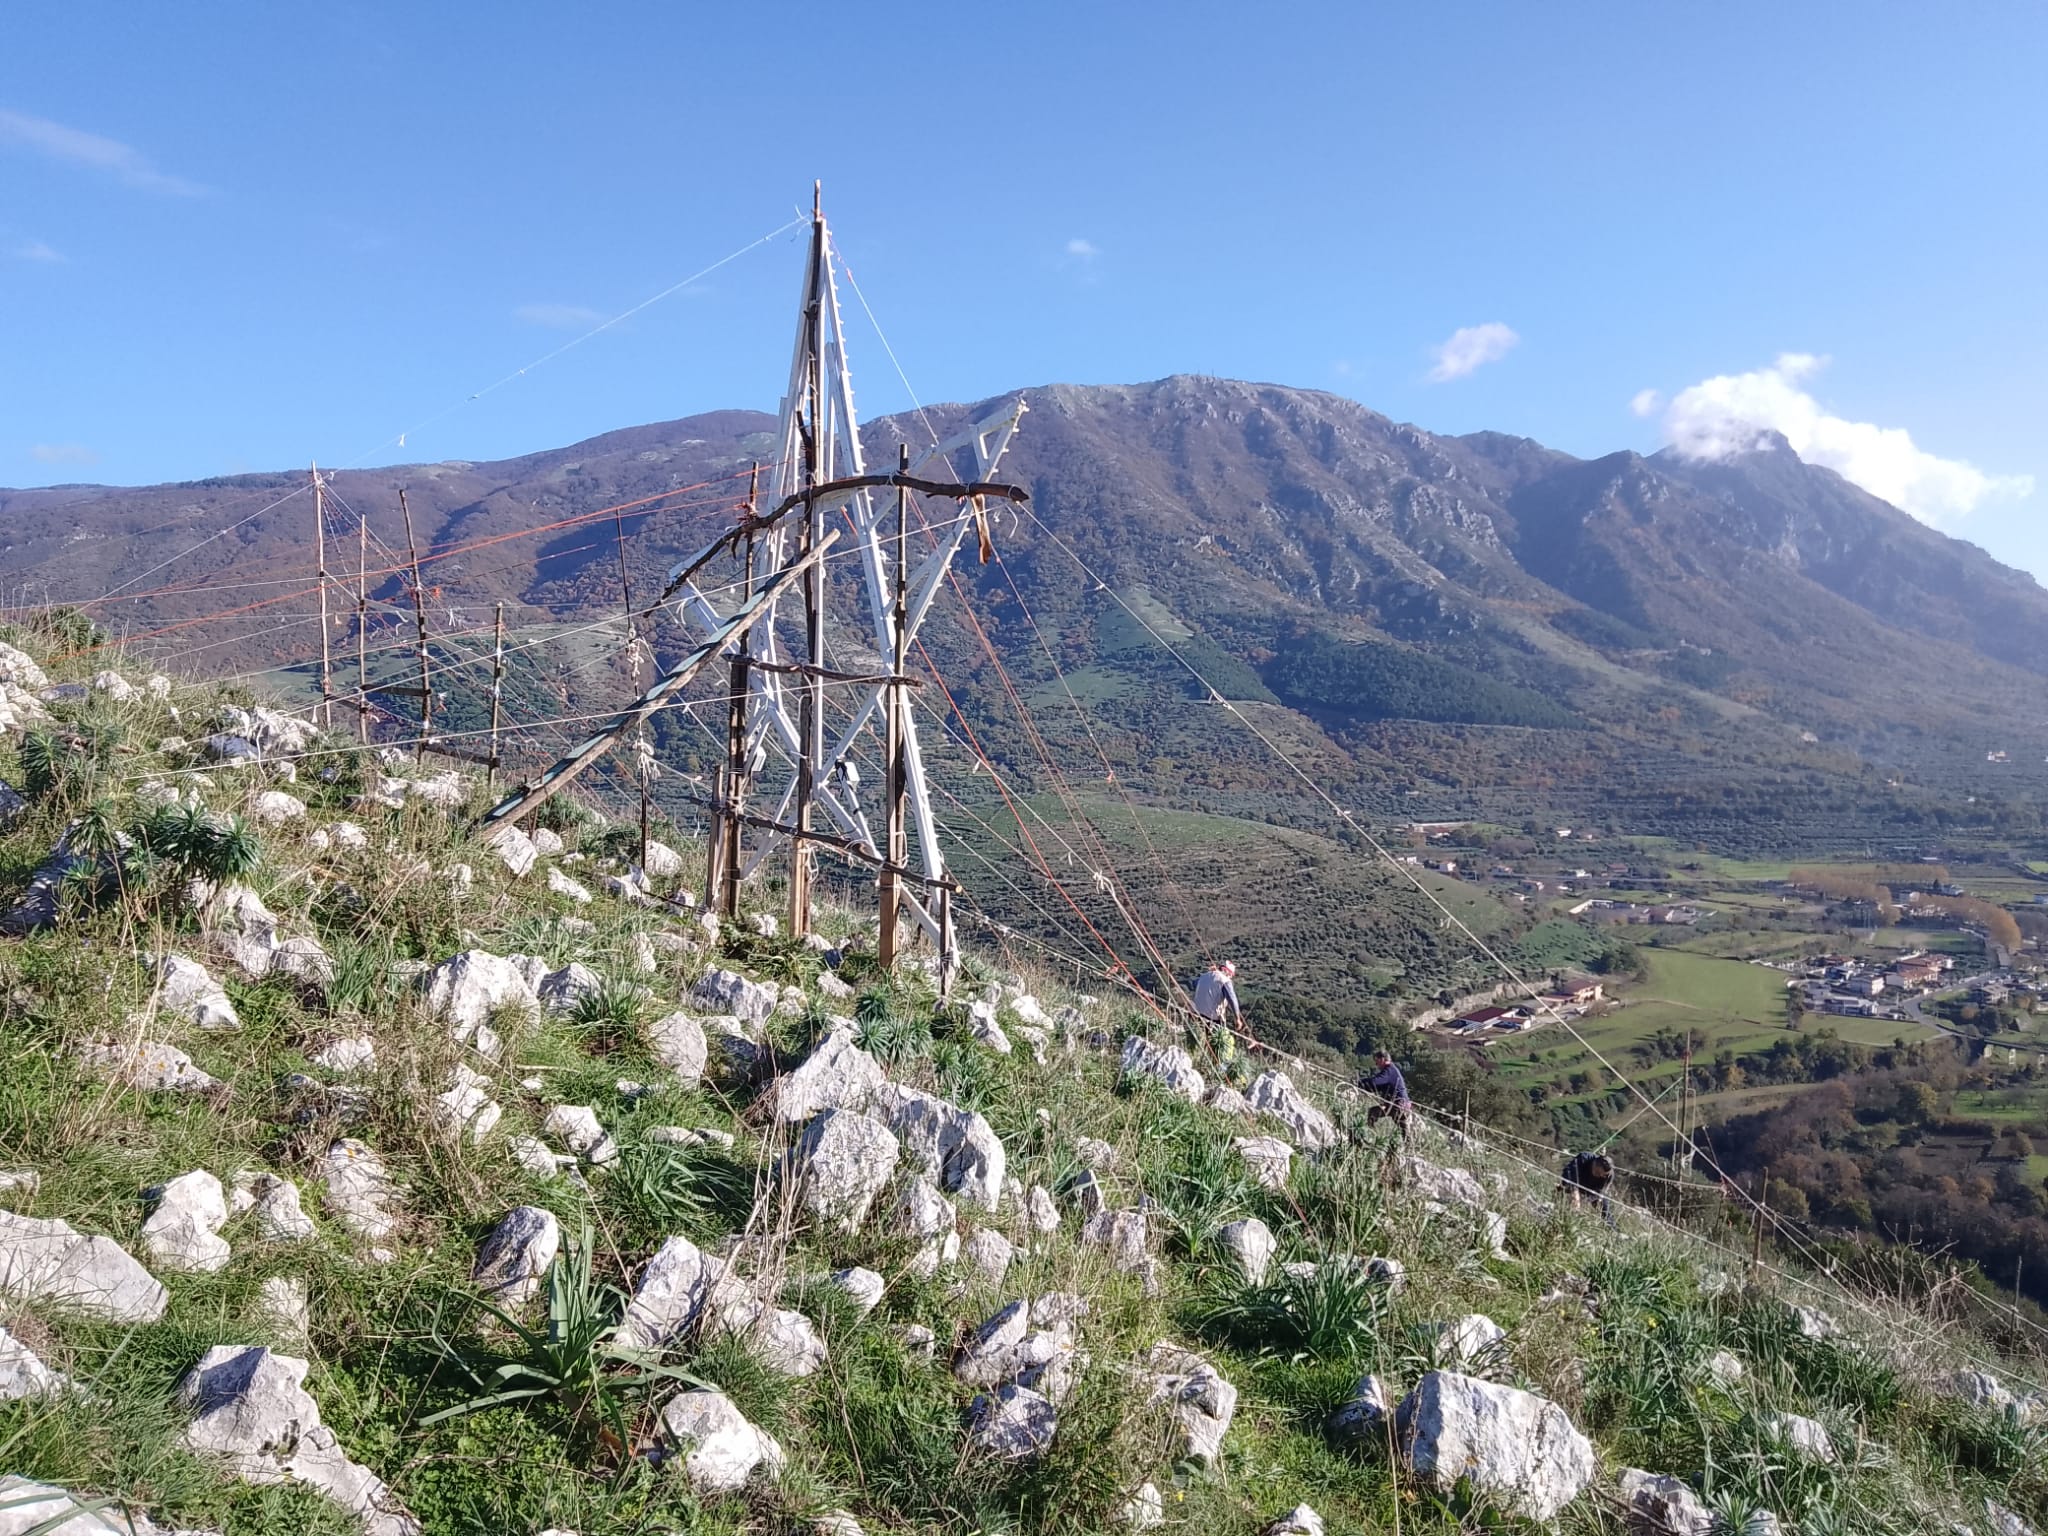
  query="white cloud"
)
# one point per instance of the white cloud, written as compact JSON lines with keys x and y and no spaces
{"x":558,"y":317}
{"x":63,"y":453}
{"x":1470,"y":348}
{"x":1730,"y":413}
{"x":90,"y":151}
{"x":1646,"y":401}
{"x":1083,"y":250}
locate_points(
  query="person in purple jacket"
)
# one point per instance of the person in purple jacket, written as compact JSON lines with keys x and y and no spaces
{"x":1386,"y":1080}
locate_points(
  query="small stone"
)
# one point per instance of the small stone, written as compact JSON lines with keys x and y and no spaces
{"x":719,"y":1449}
{"x":283,"y":1307}
{"x":1124,"y":1234}
{"x":189,"y":990}
{"x":576,"y":1127}
{"x":547,"y":843}
{"x":728,"y":992}
{"x":1203,"y":1403}
{"x":359,"y":1189}
{"x":23,"y":1375}
{"x":533,"y":1155}
{"x":1168,"y":1064}
{"x":466,"y":1105}
{"x":1453,"y":1185}
{"x":919,"y":1340}
{"x":1473,"y":1338}
{"x":1298,"y":1521}
{"x":986,"y":1358}
{"x":1226,"y":1100}
{"x":1096,"y":1156}
{"x":1145,"y":1508}
{"x":1725,"y":1368}
{"x":1663,"y":1506}
{"x":670,"y":1294}
{"x":1039,"y":1209}
{"x":514,"y":849}
{"x":183,"y":1231}
{"x":19,"y":1181}
{"x":515,"y":1257}
{"x":988,"y":1253}
{"x":1014,"y":1424}
{"x":1251,"y":1246}
{"x":1268,"y":1157}
{"x":274,"y":808}
{"x":275,"y":1208}
{"x":864,"y":1286}
{"x":1806,"y":1437}
{"x":1367,"y":1414}
{"x":1813,"y":1324}
{"x":353,"y":1053}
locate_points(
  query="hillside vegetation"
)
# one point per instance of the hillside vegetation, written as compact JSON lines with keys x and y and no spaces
{"x":357,"y":1174}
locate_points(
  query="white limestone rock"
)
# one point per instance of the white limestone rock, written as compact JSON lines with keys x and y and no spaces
{"x":1519,"y":1450}
{"x":1805,"y":1437}
{"x":982,"y":1026}
{"x":955,"y":1146}
{"x":1725,"y":1367}
{"x":349,"y":1055}
{"x":837,"y":1074}
{"x":1167,"y":1064}
{"x":1251,"y":1246}
{"x":250,"y":1408}
{"x":670,"y":1294}
{"x":1366,"y":1415}
{"x":19,"y":1181}
{"x":561,"y":990}
{"x":149,"y":1065}
{"x":43,"y":1509}
{"x":284,"y":1309}
{"x":1979,"y":1389}
{"x":662,"y":862}
{"x":676,"y":1040}
{"x":1040,"y":1211}
{"x":1012,"y":1424}
{"x":48,"y":1261}
{"x":1145,"y":1509}
{"x":275,"y":808}
{"x":1814,"y":1324}
{"x":188,"y":991}
{"x":183,"y":1231}
{"x":1663,"y":1506}
{"x":719,"y":1449}
{"x":1274,"y":1094}
{"x":728,"y":992}
{"x":466,"y":1107}
{"x":1201,"y":1401}
{"x":863,"y":1286}
{"x":465,"y":990}
{"x":20,"y":669}
{"x":547,"y":843}
{"x":1472,"y":1339}
{"x":843,"y":1160}
{"x":274,"y":1207}
{"x":1125,"y":1235}
{"x":359,"y":1190}
{"x":515,"y":850}
{"x":576,"y":1127}
{"x":1298,"y":1521}
{"x":23,"y":1375}
{"x":348,"y":835}
{"x":1454,"y":1186}
{"x":571,"y":890}
{"x":988,"y":1254}
{"x":1268,"y":1157}
{"x":514,"y":1259}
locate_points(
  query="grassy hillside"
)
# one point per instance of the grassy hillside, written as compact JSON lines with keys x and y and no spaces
{"x":1648,"y":1339}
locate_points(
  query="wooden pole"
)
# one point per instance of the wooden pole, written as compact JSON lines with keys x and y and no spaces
{"x":723,"y":895}
{"x":362,"y":629}
{"x":320,"y":561}
{"x":894,"y":851}
{"x":419,"y":616}
{"x":497,"y":694}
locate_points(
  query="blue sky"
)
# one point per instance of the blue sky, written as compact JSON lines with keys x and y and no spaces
{"x":238,"y":237}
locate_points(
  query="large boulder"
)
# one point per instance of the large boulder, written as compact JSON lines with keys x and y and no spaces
{"x":1168,"y":1064}
{"x":1274,"y":1094}
{"x":43,"y":1509}
{"x":837,"y":1074}
{"x":250,"y":1408}
{"x":719,"y":1449}
{"x":1518,"y":1450}
{"x":728,"y":992}
{"x":514,"y":1259}
{"x":841,"y":1163}
{"x":48,"y":1262}
{"x":954,"y":1146}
